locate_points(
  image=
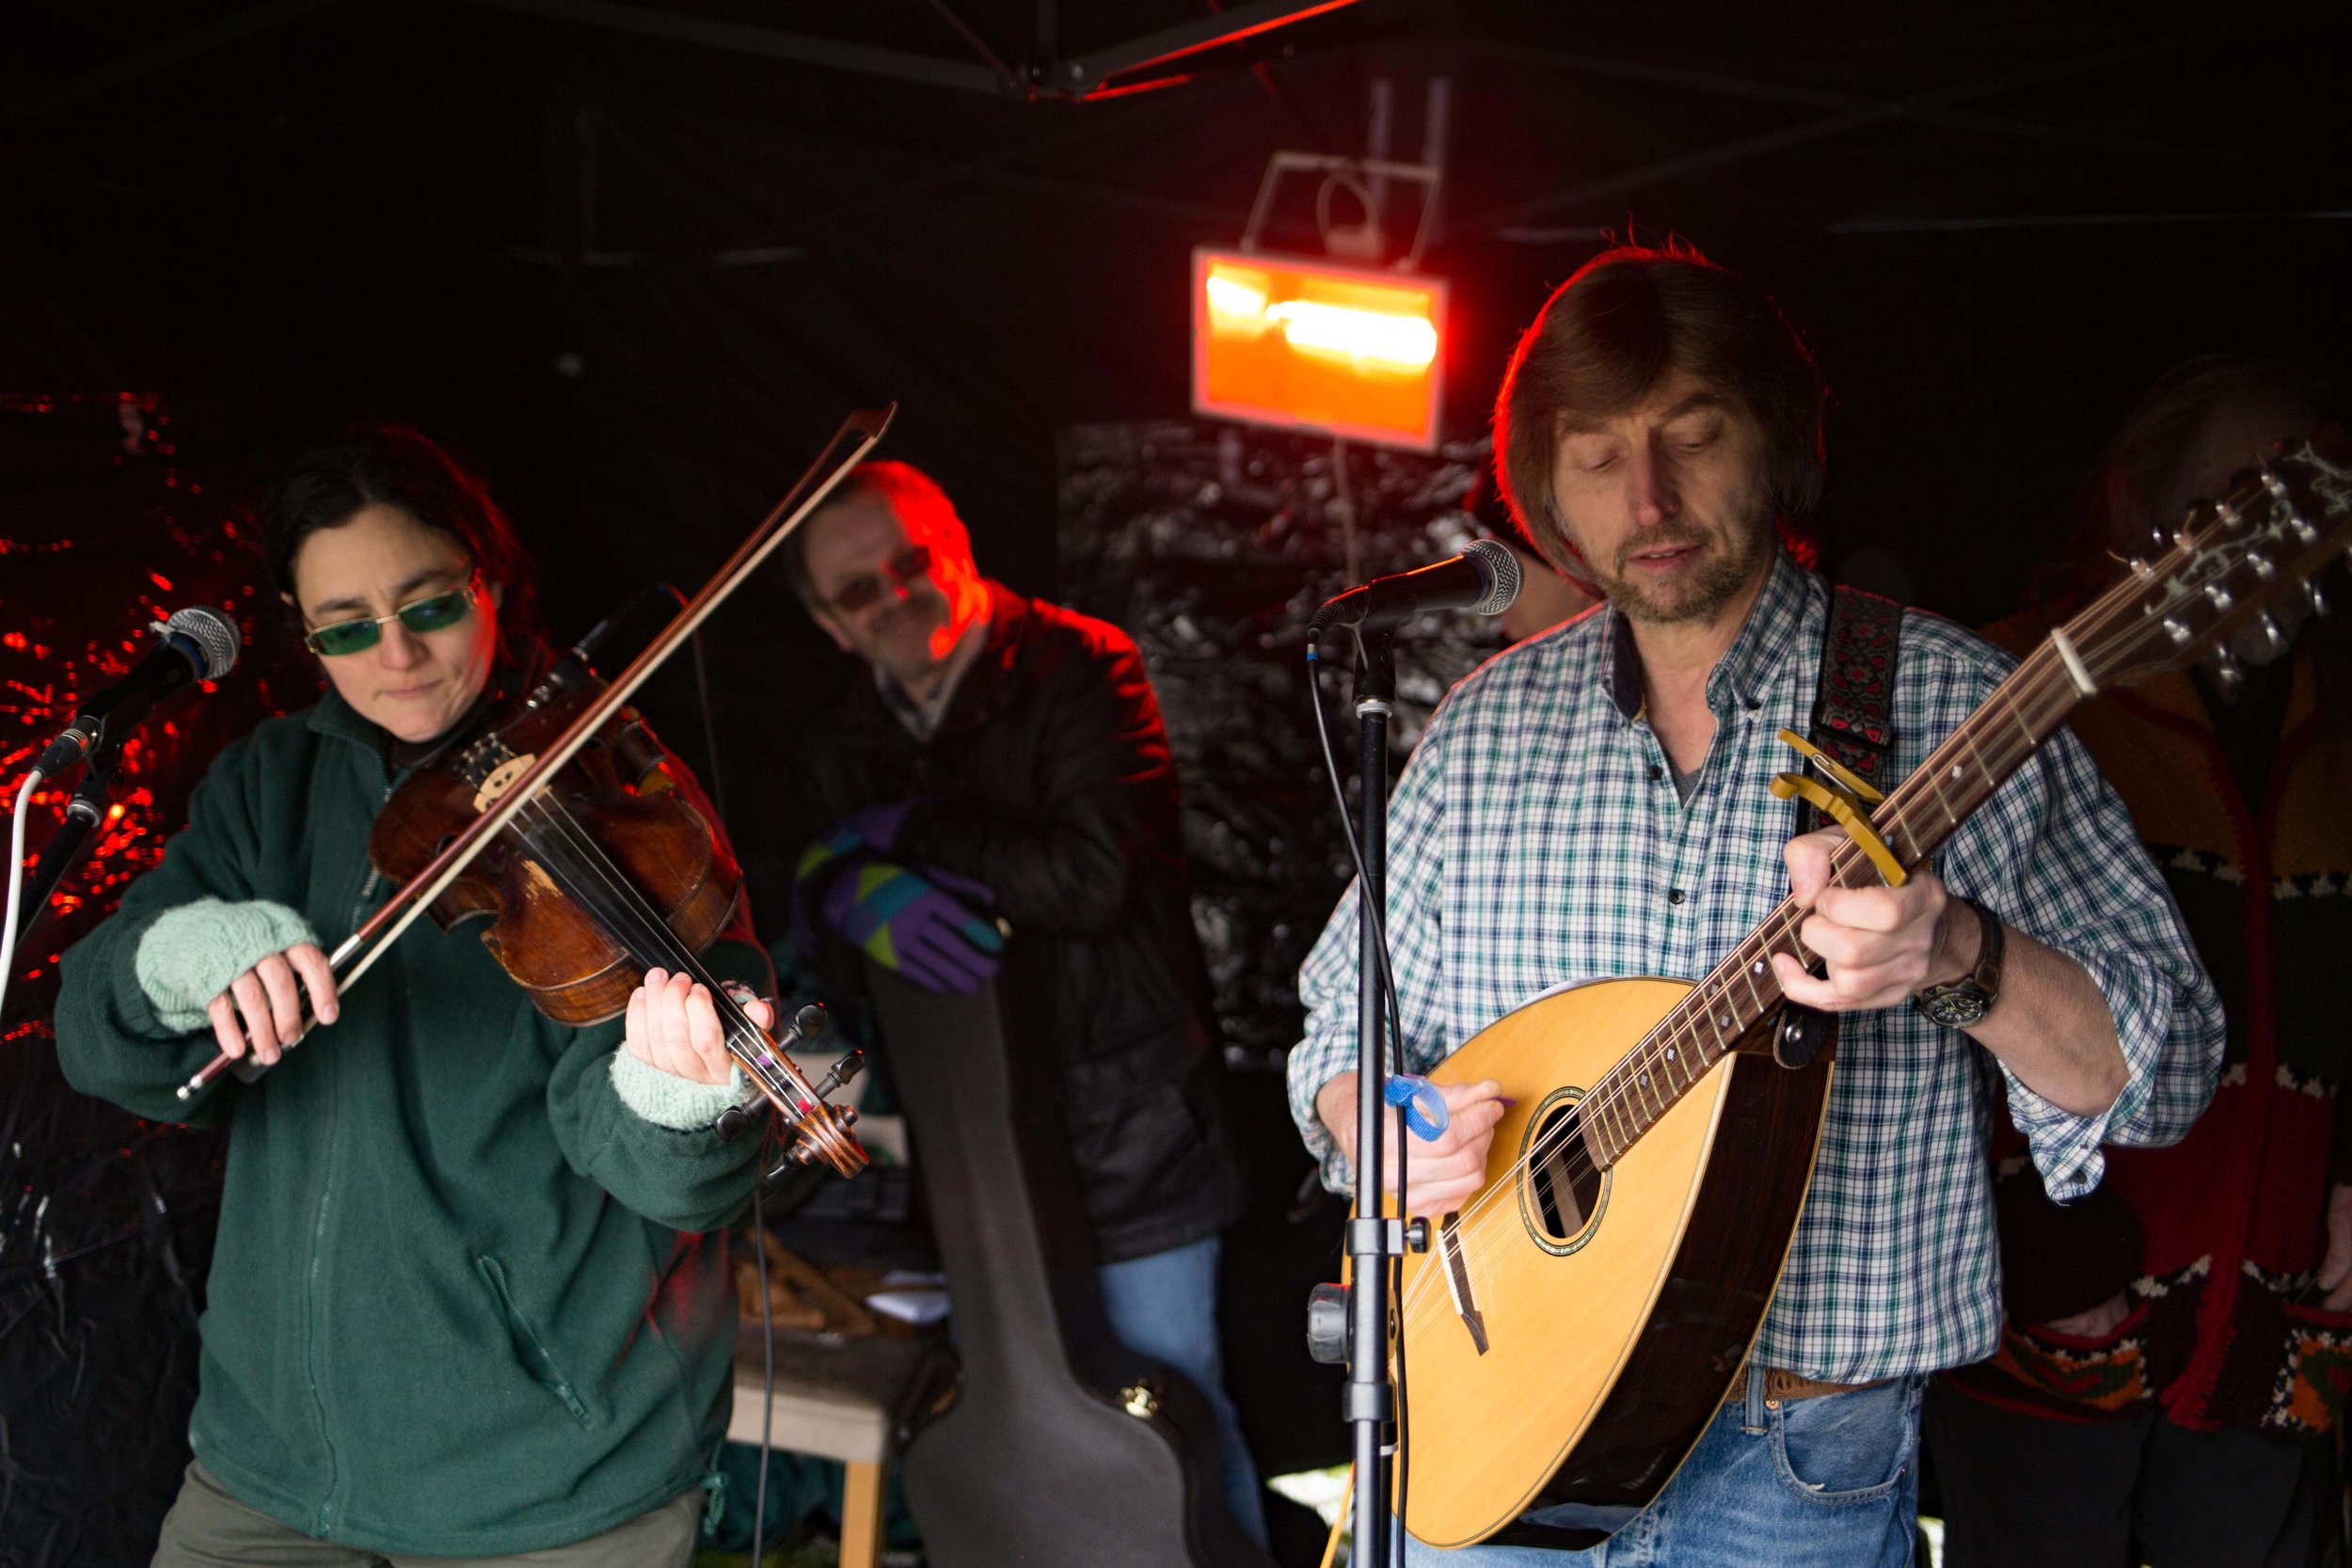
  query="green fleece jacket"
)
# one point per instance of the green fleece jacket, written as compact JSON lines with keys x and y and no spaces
{"x":465,"y":1301}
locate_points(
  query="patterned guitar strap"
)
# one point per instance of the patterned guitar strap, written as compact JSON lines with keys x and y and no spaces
{"x":1853,"y":711}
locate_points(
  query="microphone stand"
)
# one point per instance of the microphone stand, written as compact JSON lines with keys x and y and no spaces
{"x":1368,"y":1402}
{"x":83,"y":814}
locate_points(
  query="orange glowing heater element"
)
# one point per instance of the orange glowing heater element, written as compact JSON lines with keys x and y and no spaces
{"x":1303,"y":346}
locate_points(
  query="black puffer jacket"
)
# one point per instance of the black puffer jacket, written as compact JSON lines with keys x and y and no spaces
{"x":1049,"y":781}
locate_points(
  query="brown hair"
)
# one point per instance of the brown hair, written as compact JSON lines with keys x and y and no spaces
{"x":912,"y":494}
{"x":1605,"y":340}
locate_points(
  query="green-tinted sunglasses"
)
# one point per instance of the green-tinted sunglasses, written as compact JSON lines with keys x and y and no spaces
{"x":435,"y":613}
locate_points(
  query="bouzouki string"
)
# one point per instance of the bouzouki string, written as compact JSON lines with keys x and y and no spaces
{"x":2041,"y":695}
{"x":1605,"y":1108}
{"x":2035,"y":699}
{"x":1624,"y":1103}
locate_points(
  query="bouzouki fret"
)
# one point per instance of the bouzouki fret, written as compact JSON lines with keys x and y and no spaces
{"x":1737,"y":1184}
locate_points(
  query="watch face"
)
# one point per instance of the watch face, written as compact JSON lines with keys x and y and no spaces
{"x":1958,"y":1009}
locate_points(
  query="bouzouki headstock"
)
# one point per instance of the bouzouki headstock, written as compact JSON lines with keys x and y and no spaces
{"x":2234,"y":564}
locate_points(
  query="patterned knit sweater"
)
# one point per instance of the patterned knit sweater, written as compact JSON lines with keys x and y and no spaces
{"x":2224,"y":1327}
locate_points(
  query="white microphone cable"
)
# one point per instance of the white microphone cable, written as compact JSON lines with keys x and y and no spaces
{"x":16,"y":881}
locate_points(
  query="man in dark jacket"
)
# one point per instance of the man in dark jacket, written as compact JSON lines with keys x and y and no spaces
{"x":1007,"y":759}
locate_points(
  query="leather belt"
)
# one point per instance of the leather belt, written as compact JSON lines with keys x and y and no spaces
{"x":1780,"y":1385}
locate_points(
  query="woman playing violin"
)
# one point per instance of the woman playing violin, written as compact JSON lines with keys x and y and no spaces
{"x":468,"y":1298}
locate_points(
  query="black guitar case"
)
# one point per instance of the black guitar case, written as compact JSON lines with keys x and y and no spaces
{"x":1063,"y":1448}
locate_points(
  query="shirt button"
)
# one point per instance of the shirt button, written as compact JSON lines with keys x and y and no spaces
{"x":1673,"y":895}
{"x":1656,"y":772}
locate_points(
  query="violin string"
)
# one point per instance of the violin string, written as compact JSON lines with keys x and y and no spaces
{"x":589,"y":855}
{"x":584,"y":854}
{"x":592,"y":856}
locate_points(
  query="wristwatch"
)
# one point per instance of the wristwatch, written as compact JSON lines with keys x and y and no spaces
{"x":1961,"y":1004}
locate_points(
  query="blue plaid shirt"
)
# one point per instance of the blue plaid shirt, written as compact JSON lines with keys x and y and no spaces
{"x":1537,"y":840}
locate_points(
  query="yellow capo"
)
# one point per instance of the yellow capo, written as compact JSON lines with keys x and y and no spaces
{"x":1849,"y":806}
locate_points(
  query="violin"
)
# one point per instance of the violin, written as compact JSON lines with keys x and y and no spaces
{"x":559,"y":820}
{"x":607,"y":872}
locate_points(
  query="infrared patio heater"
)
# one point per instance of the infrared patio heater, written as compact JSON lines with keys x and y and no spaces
{"x":1343,"y":347}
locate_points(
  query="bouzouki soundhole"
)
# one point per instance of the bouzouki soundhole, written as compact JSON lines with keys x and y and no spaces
{"x":1562,"y":1198}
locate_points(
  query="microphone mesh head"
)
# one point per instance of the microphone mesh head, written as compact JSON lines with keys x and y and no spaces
{"x":1503,"y":574}
{"x":214,"y":634}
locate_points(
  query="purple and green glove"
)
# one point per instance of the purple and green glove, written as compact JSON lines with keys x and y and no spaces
{"x":903,"y":919}
{"x":921,"y":922}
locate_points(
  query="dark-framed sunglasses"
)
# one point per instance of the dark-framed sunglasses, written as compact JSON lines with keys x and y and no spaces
{"x":862,"y":594}
{"x":435,"y":613}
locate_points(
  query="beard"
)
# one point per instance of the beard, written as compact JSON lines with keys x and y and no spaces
{"x":1728,"y":562}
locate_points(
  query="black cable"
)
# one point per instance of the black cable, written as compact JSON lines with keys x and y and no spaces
{"x":597,"y":633}
{"x":1396,"y":1308}
{"x":702,"y":695}
{"x":1396,"y":1044}
{"x":767,"y":1351}
{"x":1355,"y":851}
{"x":718,"y":787}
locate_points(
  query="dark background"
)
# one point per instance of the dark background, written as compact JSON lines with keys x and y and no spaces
{"x":638,"y":279}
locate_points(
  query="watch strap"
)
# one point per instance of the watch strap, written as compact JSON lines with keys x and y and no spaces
{"x":1980,"y":986}
{"x":1991,"y":952}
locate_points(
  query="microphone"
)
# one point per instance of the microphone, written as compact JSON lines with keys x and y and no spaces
{"x":1485,"y":578}
{"x":198,"y":645}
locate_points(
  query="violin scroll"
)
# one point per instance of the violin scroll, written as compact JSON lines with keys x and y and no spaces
{"x":823,"y":1134}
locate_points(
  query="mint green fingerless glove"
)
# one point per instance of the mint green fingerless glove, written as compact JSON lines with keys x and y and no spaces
{"x":190,"y":954}
{"x":667,"y":1099}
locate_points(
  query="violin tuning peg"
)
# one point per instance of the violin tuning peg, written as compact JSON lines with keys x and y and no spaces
{"x":2272,"y":637}
{"x":2314,"y":597}
{"x":809,"y":1022}
{"x":841,"y":1073}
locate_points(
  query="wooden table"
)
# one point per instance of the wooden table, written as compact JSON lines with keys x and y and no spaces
{"x":847,"y":1400}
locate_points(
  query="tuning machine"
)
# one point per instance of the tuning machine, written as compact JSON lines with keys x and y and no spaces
{"x":840,"y":1073}
{"x":2228,"y":673}
{"x":2266,"y":631}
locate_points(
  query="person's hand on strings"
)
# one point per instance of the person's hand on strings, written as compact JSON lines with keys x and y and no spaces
{"x":1882,"y":945}
{"x":1442,"y":1174}
{"x":673,"y":1025}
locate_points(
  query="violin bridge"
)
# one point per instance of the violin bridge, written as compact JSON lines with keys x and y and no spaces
{"x":500,"y":779}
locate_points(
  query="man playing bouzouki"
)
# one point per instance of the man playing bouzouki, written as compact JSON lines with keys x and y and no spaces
{"x":1595,"y":803}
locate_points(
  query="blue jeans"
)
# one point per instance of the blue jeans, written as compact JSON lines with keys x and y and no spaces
{"x":1825,"y":1482}
{"x":1165,"y":1307}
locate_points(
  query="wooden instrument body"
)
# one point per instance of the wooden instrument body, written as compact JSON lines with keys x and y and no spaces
{"x":554,"y":924}
{"x":1041,"y":1460}
{"x":1609,"y":1349}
